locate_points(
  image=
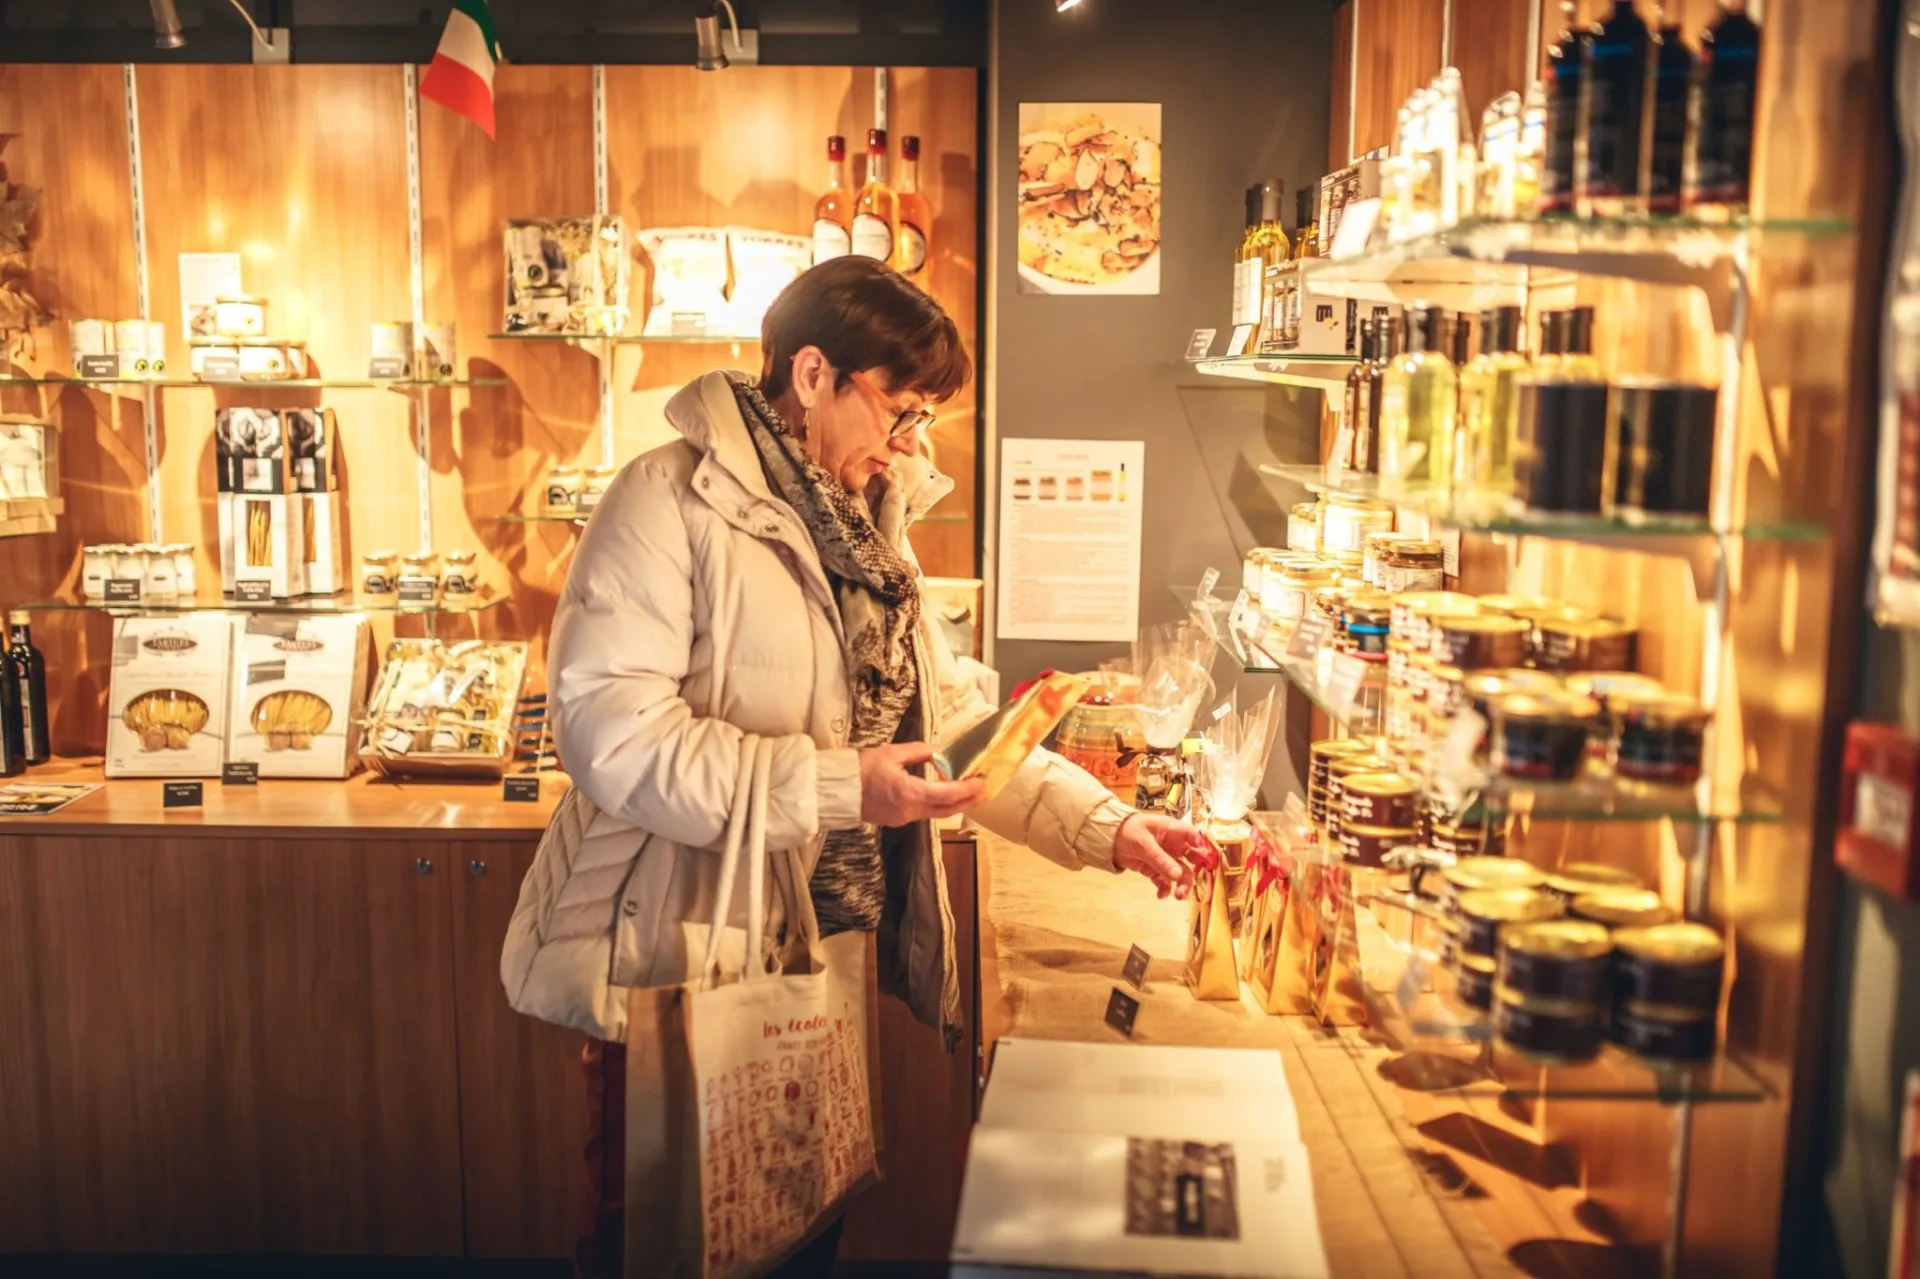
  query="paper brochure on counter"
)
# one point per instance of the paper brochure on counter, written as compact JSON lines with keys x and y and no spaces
{"x":1139,"y":1158}
{"x":1070,"y":519}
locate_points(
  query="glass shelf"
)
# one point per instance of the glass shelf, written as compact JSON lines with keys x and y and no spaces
{"x":1259,"y":647}
{"x":1320,"y":372}
{"x":266,"y":384}
{"x":1451,"y":1049}
{"x":628,"y":339}
{"x":1484,"y":262}
{"x":542,"y":518}
{"x":309,"y":604}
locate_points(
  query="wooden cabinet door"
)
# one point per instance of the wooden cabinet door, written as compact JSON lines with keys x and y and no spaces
{"x":226,"y":1045}
{"x":523,"y":1101}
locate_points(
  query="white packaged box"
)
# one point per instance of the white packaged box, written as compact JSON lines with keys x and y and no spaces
{"x":322,"y":538}
{"x":1326,"y":325}
{"x":142,"y":347}
{"x":269,"y":543}
{"x":299,"y":685}
{"x":437,"y":351}
{"x":167,"y":700}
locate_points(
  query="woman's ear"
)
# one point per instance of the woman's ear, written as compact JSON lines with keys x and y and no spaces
{"x":812,"y":376}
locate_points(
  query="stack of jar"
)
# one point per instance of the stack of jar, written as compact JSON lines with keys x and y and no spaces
{"x":1548,"y":434}
{"x":422,"y":577}
{"x":155,"y":570}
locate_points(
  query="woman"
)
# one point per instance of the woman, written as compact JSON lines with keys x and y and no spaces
{"x":755,"y":577}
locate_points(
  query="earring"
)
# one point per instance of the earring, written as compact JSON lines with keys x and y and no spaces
{"x":806,"y":422}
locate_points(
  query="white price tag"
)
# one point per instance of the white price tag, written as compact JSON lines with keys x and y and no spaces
{"x":1200,"y":344}
{"x":1342,"y":450}
{"x":1237,"y":343}
{"x":1454,"y":772}
{"x":1208,"y":580}
{"x":1349,"y":672}
{"x":1356,"y":228}
{"x":1237,"y":618}
{"x":1450,"y":551}
{"x":1223,"y":710}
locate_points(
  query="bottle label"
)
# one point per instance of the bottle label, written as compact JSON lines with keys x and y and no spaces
{"x":27,"y":710}
{"x":830,"y":240}
{"x":912,"y":253}
{"x":1239,"y":294}
{"x":872,"y":237}
{"x":1247,"y":291}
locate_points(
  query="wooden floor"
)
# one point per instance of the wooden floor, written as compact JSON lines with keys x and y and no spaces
{"x":1410,"y":1180}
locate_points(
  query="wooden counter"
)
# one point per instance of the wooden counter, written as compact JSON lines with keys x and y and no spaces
{"x":1407,"y":1182}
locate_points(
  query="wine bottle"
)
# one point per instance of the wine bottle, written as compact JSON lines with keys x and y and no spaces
{"x":1246,"y":272}
{"x":916,"y":216}
{"x":1563,"y":116}
{"x":1614,"y":141}
{"x":1721,"y":110}
{"x":27,"y":670}
{"x":833,"y":211}
{"x":1419,"y":400}
{"x":876,"y":213}
{"x":1672,"y":87}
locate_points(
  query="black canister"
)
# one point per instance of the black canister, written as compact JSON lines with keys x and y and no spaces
{"x":1561,"y":461}
{"x":1663,"y":434}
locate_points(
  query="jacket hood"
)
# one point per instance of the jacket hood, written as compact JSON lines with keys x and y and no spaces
{"x":707,"y":416}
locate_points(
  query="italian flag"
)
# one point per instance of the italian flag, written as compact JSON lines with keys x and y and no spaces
{"x":461,"y":77}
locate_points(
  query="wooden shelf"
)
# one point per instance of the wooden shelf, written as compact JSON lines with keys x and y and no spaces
{"x":364,"y":804}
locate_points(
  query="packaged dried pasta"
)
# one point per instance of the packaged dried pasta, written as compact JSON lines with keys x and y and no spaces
{"x":689,"y":291}
{"x":567,"y":275}
{"x":444,"y":710}
{"x":167,"y":697}
{"x":299,"y":684}
{"x":764,"y":263}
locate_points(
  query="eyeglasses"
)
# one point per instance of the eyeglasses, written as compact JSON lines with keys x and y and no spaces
{"x":907,"y":422}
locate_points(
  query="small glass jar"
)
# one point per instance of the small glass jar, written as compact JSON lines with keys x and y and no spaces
{"x":1366,"y":619}
{"x":1252,"y":566}
{"x":421,"y":566}
{"x":461,"y":580}
{"x":241,"y":315}
{"x":1412,"y":565}
{"x":1303,"y":527}
{"x":1658,"y":740}
{"x":1284,"y":595}
{"x":593,"y":488}
{"x":1345,"y":521}
{"x":157,"y":579}
{"x":129,"y":563}
{"x":379,"y":574}
{"x":272,"y":360}
{"x":563,"y":491}
{"x":96,"y":566}
{"x":186,"y":575}
{"x":1542,"y":738}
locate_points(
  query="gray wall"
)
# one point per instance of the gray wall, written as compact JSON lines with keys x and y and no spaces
{"x":1244,"y":91}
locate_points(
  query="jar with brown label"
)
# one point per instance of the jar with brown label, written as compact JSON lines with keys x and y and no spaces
{"x":1557,"y":959}
{"x":563,"y":491}
{"x":1337,"y":773}
{"x":1575,"y":879}
{"x":1547,"y":1030}
{"x":1320,"y":758}
{"x":1542,"y":738}
{"x":1583,"y":644}
{"x":1344,"y":521}
{"x":1390,"y":800}
{"x":1658,"y":740}
{"x":1367,"y":845}
{"x":1480,"y":642}
{"x":1483,"y":912}
{"x":1621,"y":907}
{"x":1413,"y":565}
{"x":1373,"y":548}
{"x":379,"y":574}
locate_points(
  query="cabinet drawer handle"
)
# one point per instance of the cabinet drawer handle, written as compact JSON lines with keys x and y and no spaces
{"x":476,"y":868}
{"x":422,"y":866}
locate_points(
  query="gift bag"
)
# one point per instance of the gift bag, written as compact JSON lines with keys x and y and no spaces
{"x":1210,"y":968}
{"x":750,"y":1102}
{"x":1338,"y":999}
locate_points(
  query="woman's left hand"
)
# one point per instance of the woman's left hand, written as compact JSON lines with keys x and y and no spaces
{"x":1166,"y":851}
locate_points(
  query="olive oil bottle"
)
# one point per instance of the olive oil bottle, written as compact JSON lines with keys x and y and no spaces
{"x":1490,"y":405}
{"x":1418,"y":406}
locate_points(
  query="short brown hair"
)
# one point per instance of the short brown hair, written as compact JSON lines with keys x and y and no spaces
{"x":863,"y":314}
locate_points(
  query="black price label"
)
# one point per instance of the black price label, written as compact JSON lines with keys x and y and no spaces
{"x":240,"y":773}
{"x":387,"y":366}
{"x":1135,"y":971}
{"x":521,"y":790}
{"x":182,"y":794}
{"x":220,"y":368}
{"x":1122,"y":1008}
{"x":99,"y":366}
{"x":254,"y":591}
{"x":416,"y":590}
{"x":1200,"y":344}
{"x":123,"y":591}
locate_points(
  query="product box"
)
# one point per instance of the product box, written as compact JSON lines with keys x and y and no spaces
{"x":1358,"y":181}
{"x":323,"y":540}
{"x":250,"y":450}
{"x":312,"y":446}
{"x":445,"y":710}
{"x":299,"y":685}
{"x":268,"y":532}
{"x":167,"y":697}
{"x":436,"y":348}
{"x":1326,"y":325}
{"x":566,"y":275}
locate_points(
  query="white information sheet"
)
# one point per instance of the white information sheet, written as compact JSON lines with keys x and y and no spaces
{"x":1070,"y":539}
{"x":204,"y":277}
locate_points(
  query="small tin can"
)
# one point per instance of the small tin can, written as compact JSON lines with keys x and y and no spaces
{"x":1473,"y":981}
{"x":1415,"y":612}
{"x":271,"y":360}
{"x":142,"y":347}
{"x":461,"y":580}
{"x":1320,"y":758}
{"x":1470,"y":873}
{"x":96,"y":567}
{"x":1586,"y":644}
{"x":1303,"y":527}
{"x":1345,"y":521}
{"x":1576,"y":879}
{"x":1658,"y":740}
{"x":563,"y":490}
{"x":1479,"y":642}
{"x":1380,"y":799}
{"x":1558,"y":959}
{"x":421,"y":566}
{"x":1673,"y":965}
{"x":1482,"y":689}
{"x":1552,"y":1030}
{"x":240,"y":315}
{"x":1542,"y":738}
{"x":1335,"y":797}
{"x":1515,"y":605}
{"x":593,"y":487}
{"x":379,"y":574}
{"x":90,"y":337}
{"x":1467,"y":839}
{"x":1660,"y":1034}
{"x":1483,"y":912}
{"x":186,"y":575}
{"x":199,"y":353}
{"x":1366,"y":618}
{"x":439,"y":353}
{"x":1369,"y":845}
{"x":1620,"y":907}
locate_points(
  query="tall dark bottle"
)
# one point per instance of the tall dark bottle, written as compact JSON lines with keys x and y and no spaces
{"x":1386,"y":345}
{"x":13,"y":741}
{"x":1563,"y":116}
{"x":27,"y":672}
{"x":1615,"y":137}
{"x":1721,"y":111}
{"x":1358,"y":398}
{"x":1672,"y":90}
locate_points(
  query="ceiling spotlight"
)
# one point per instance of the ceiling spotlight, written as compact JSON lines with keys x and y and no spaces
{"x":166,"y":25}
{"x":708,"y":53}
{"x":1061,"y":6}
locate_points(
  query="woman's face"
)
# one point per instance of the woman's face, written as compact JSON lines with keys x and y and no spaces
{"x":854,"y":431}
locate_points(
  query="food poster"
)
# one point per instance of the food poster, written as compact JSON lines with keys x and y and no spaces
{"x":1089,"y":197}
{"x":1070,"y":517}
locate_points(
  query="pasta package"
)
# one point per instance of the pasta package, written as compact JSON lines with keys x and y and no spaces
{"x":444,"y":710}
{"x":167,"y":695}
{"x":567,"y":275}
{"x":764,"y":263}
{"x":688,"y":297}
{"x":299,"y":686}
{"x":323,"y":518}
{"x":263,"y":540}
{"x":250,"y":451}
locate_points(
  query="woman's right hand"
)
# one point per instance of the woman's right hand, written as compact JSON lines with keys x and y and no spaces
{"x":890,"y":795}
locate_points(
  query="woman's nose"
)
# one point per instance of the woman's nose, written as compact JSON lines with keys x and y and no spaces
{"x":906,"y":443}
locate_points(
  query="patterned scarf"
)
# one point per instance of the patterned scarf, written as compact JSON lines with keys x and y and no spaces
{"x":879,"y":601}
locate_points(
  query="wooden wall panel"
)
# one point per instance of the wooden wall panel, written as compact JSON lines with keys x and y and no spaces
{"x":1399,"y":52}
{"x":760,"y":160}
{"x":1490,"y":49}
{"x":1340,"y":89}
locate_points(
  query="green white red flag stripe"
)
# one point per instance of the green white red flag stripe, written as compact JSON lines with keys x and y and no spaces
{"x":461,"y":75}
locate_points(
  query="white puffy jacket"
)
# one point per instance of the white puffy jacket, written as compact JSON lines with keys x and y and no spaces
{"x":696,"y":613}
